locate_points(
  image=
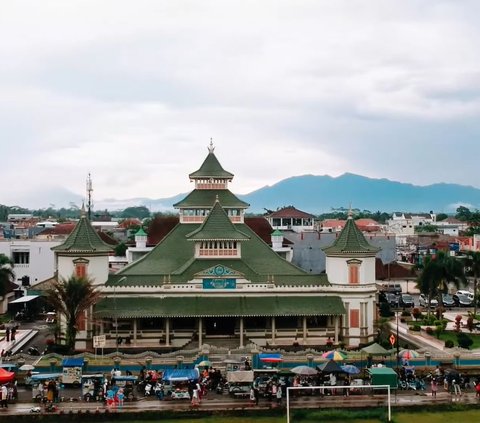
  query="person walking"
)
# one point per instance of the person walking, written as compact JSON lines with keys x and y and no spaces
{"x":4,"y":392}
{"x":456,"y":388}
{"x":279,"y":395}
{"x":434,"y":386}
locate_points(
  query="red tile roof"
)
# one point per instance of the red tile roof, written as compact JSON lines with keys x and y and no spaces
{"x":159,"y":227}
{"x":292,"y":212}
{"x":393,"y":270}
{"x":60,"y":229}
{"x":262,"y":228}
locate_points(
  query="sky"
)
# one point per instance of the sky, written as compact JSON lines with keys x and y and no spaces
{"x":132,"y":92}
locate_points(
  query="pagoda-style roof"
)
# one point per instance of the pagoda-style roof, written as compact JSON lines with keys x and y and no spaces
{"x":173,"y":261}
{"x":351,"y":242}
{"x":140,"y":232}
{"x":204,"y":198}
{"x":84,"y":240}
{"x":211,"y":168}
{"x":217,"y":226}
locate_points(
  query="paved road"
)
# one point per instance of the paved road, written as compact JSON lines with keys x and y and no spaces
{"x":219,"y":402}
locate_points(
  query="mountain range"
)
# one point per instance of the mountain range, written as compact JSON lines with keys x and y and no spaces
{"x":319,"y":194}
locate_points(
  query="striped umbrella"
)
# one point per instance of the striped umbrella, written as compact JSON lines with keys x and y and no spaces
{"x":408,"y":354}
{"x":335,"y":355}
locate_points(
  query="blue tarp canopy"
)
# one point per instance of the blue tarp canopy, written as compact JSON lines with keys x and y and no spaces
{"x":73,"y":362}
{"x":177,"y":375}
{"x":270,"y":358}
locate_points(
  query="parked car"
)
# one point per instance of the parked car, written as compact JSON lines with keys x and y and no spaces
{"x":51,"y":317}
{"x":392,"y":299}
{"x":423,"y":301}
{"x":393,"y":288}
{"x":447,"y":300}
{"x":466,"y":293}
{"x":462,"y":300}
{"x":406,"y":300}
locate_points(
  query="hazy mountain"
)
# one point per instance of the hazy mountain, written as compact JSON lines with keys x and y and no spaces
{"x":314,"y":194}
{"x":317,"y":194}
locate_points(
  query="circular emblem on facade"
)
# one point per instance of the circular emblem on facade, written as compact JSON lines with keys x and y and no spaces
{"x":219,"y":270}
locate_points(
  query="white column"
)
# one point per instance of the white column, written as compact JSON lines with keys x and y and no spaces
{"x":273,"y":330}
{"x":167,"y":331}
{"x":200,"y":332}
{"x":336,"y":329}
{"x":304,"y":329}
{"x":241,"y":332}
{"x":134,"y":330}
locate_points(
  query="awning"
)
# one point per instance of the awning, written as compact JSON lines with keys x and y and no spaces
{"x":270,"y":358}
{"x":24,"y":299}
{"x":178,"y":375}
{"x":220,"y":306}
{"x":73,"y":362}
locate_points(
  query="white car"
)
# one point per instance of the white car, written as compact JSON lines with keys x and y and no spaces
{"x":466,"y":293}
{"x":51,"y":317}
{"x":423,"y":301}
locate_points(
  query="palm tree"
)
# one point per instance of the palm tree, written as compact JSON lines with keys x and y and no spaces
{"x":473,"y":261}
{"x":426,"y":282}
{"x":71,"y":297}
{"x":440,"y":271}
{"x":6,"y":274}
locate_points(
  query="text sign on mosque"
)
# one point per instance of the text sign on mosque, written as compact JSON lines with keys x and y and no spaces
{"x":219,"y":283}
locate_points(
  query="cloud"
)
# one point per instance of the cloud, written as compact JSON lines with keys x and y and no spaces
{"x":133,"y":92}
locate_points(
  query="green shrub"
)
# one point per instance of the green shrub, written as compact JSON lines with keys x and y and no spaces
{"x":449,"y":343}
{"x":464,"y":341}
{"x":406,"y":313}
{"x":416,"y":328}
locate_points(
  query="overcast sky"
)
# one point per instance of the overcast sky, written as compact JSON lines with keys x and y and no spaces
{"x":132,"y":91}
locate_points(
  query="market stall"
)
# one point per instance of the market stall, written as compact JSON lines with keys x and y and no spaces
{"x":177,"y":380}
{"x":72,"y":371}
{"x":240,"y":382}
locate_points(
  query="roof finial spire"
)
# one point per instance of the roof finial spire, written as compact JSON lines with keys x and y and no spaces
{"x":216,"y":199}
{"x":211,"y":148}
{"x":350,"y":212}
{"x":82,"y":210}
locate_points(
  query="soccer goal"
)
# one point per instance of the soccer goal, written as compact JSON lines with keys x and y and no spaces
{"x":356,"y":387}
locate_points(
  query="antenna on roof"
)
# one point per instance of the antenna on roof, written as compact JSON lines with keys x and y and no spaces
{"x":89,"y":197}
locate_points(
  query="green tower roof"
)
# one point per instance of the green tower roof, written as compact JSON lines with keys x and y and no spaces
{"x":84,"y":240}
{"x":140,"y":232}
{"x":277,"y":232}
{"x":217,"y":226}
{"x":351,"y":241}
{"x":204,"y":198}
{"x":211,"y":168}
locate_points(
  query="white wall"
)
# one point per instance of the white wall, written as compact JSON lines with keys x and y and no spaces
{"x":337,"y":270}
{"x":42,"y":259}
{"x":97,"y":267}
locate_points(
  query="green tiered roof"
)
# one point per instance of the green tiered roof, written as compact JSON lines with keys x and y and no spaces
{"x":211,"y":168}
{"x":351,"y":242}
{"x":217,"y":226}
{"x":140,"y":232}
{"x":219,"y":306}
{"x":83,"y":240}
{"x":173,"y":260}
{"x":204,"y":198}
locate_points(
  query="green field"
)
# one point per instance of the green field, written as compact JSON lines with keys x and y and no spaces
{"x":398,"y":417}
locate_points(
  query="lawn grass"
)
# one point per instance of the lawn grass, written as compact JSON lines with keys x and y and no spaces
{"x":398,"y":416}
{"x":450,"y":335}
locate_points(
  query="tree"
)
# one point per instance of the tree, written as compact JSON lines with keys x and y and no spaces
{"x":438,"y":272}
{"x":140,"y":212}
{"x":473,"y":263}
{"x":71,"y":297}
{"x":441,"y":217}
{"x":6,"y":274}
{"x":120,"y":249}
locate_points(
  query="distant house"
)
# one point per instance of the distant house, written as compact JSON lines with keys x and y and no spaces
{"x":291,"y":219}
{"x":403,"y":224}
